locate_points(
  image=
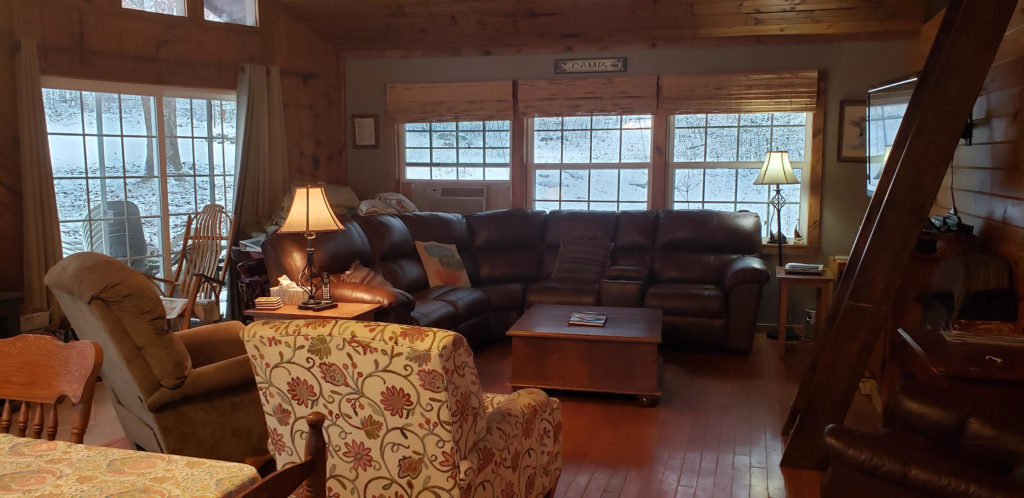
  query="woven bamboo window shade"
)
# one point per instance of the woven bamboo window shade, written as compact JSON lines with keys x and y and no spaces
{"x":419,"y":102}
{"x":791,"y":91}
{"x":567,"y":97}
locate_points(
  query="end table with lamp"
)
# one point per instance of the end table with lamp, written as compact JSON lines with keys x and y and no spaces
{"x":310,"y":214}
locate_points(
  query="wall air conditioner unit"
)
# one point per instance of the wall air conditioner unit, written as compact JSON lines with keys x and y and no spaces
{"x":462,"y":200}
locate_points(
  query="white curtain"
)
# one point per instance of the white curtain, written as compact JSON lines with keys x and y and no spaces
{"x":262,"y":159}
{"x":41,"y":229}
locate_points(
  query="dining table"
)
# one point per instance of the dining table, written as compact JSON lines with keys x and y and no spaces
{"x":37,"y":467}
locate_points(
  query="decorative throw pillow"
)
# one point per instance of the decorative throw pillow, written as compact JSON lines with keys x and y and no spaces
{"x":442,"y":264}
{"x":581,"y":259}
{"x":360,"y":274}
{"x":399,"y":202}
{"x":371,"y":207}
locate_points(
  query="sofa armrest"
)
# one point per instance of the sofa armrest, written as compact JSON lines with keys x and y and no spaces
{"x":745,"y":270}
{"x":524,"y":424}
{"x":208,"y":379}
{"x":212,"y":343}
{"x":912,"y":462}
{"x":353,"y":292}
{"x":624,"y":272}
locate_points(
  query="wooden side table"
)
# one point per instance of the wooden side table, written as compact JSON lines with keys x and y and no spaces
{"x":823,"y":283}
{"x":344,"y":311}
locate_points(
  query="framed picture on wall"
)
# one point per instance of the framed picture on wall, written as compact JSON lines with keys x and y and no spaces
{"x":365,"y":131}
{"x":853,"y":130}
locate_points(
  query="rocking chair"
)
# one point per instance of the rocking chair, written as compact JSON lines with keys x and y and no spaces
{"x":200,"y":274}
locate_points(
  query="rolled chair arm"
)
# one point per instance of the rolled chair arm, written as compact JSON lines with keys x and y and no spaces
{"x":212,"y":343}
{"x":525,"y":419}
{"x":913,"y":462}
{"x":745,"y":270}
{"x":206,"y":380}
{"x":623,"y":272}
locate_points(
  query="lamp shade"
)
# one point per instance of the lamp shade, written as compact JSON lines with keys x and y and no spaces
{"x":776,"y":170}
{"x":310,"y":212}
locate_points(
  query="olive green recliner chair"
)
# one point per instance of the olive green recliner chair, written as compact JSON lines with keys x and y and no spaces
{"x":187,"y":393}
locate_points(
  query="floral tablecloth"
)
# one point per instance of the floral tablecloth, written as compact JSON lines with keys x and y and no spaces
{"x":32,"y":467}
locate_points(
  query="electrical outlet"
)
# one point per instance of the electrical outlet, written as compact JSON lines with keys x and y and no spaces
{"x":35,"y":321}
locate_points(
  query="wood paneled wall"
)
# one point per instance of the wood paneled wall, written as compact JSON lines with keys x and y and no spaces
{"x":988,"y":176}
{"x":99,"y":40}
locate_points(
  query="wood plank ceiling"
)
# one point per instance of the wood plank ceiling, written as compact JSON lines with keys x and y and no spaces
{"x":482,"y":27}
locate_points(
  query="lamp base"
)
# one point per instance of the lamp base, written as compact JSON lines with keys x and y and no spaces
{"x":317,"y":305}
{"x":773,"y":238}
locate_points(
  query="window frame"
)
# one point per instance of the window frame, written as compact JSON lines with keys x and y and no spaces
{"x":532,"y":166}
{"x":400,"y":150}
{"x":158,"y":93}
{"x":806,"y":166}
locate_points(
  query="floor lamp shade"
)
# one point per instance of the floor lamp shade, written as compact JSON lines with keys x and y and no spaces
{"x":776,"y":170}
{"x":310,"y":212}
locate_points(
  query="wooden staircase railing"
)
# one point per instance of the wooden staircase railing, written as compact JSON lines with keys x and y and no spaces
{"x":953,"y":76}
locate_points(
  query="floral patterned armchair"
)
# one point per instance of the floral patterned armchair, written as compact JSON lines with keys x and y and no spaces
{"x":405,"y":413}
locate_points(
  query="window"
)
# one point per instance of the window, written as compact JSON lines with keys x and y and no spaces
{"x":125,"y":182}
{"x":599,"y":163}
{"x":715,"y":158}
{"x":463,"y":150}
{"x":230,"y":11}
{"x":172,"y":7}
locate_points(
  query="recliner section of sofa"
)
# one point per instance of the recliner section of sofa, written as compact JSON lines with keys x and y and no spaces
{"x":702,"y":268}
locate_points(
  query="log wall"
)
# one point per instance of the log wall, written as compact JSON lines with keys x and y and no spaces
{"x":99,"y":40}
{"x":988,"y":176}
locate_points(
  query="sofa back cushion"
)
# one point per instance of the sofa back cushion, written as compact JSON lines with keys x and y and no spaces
{"x":446,"y":228}
{"x":394,"y":252}
{"x":697,"y":245}
{"x":574,"y":225}
{"x":507,"y":244}
{"x":634,"y":239}
{"x":333,"y":252}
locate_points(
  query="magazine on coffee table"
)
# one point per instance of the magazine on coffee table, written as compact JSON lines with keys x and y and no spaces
{"x":588,"y":318}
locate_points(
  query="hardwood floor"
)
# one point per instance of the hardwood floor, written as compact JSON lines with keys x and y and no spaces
{"x":714,"y":433}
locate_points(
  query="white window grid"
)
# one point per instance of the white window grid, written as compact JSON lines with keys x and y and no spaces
{"x":743,"y":172}
{"x":556,"y":197}
{"x":494,"y":151}
{"x":883,"y":123}
{"x":157,"y":260}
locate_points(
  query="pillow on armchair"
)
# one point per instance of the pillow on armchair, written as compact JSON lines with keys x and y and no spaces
{"x":359,"y":274}
{"x":582,"y":259}
{"x":442,"y":264}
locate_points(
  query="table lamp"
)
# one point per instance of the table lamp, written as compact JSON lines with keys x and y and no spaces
{"x":777,"y":170}
{"x":311,"y":213}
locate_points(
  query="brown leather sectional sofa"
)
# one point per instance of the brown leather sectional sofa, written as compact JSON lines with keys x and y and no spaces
{"x":702,"y":268}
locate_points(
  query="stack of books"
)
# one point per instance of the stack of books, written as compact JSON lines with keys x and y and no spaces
{"x":804,"y":269}
{"x":268,"y":303}
{"x":985,"y":332}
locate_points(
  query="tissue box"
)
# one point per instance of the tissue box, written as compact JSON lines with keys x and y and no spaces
{"x":288,"y":296}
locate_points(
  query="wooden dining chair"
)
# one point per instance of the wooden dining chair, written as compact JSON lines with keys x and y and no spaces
{"x":40,"y":372}
{"x":307,"y":478}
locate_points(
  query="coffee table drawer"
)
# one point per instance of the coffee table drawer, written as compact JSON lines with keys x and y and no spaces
{"x":603,"y":366}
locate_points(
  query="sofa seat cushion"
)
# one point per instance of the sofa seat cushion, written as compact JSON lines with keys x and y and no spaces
{"x":573,"y":292}
{"x":435,"y":314}
{"x":468,"y":302}
{"x":507,"y":296}
{"x":695,"y":300}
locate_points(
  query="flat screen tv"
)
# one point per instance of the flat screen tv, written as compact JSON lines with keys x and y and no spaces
{"x":886,"y":106}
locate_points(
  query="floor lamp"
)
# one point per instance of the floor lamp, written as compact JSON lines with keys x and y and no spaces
{"x":311,"y":213}
{"x":777,"y":170}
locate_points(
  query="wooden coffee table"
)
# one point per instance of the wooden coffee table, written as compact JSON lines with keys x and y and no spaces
{"x":621,"y":357}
